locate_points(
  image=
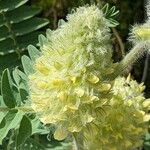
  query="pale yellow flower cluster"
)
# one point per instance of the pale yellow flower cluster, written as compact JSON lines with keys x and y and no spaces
{"x":70,"y":88}
{"x":68,"y":78}
{"x":124,"y":124}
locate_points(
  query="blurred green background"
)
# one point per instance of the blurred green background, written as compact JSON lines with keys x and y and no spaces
{"x":131,"y":12}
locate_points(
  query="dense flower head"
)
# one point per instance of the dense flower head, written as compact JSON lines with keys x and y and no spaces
{"x":70,"y":88}
{"x":142,"y":32}
{"x":124,"y":124}
{"x":69,"y":76}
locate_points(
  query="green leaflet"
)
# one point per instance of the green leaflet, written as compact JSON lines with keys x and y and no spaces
{"x":15,"y":94}
{"x":61,"y":22}
{"x":110,"y":13}
{"x":2,"y":101}
{"x":22,"y":85}
{"x":147,"y":142}
{"x":33,"y":52}
{"x":27,"y":65}
{"x":10,"y":121}
{"x":8,"y":90}
{"x":38,"y":127}
{"x":2,"y":114}
{"x":25,"y":130}
{"x":8,"y":5}
{"x":22,"y":13}
{"x":42,"y":39}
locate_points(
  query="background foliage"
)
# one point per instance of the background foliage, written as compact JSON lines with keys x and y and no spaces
{"x":18,"y":28}
{"x":27,"y":132}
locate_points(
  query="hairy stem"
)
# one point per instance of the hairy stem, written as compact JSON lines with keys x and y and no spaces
{"x":133,"y":55}
{"x":146,"y":65}
{"x":130,"y":58}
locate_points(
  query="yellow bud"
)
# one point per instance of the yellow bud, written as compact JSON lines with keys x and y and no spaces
{"x":130,"y":102}
{"x":146,"y":104}
{"x":93,"y":79}
{"x":79,"y":92}
{"x":142,"y":113}
{"x":70,"y":107}
{"x":94,"y":98}
{"x":41,"y":68}
{"x":57,"y":65}
{"x":73,"y":79}
{"x":61,"y":51}
{"x":89,"y":119}
{"x":60,"y":134}
{"x":42,"y":85}
{"x":104,"y":87}
{"x":62,"y":96}
{"x":56,"y":82}
{"x":147,"y":118}
{"x":32,"y":77}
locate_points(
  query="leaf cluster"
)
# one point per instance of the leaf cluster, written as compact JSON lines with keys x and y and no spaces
{"x":19,"y":28}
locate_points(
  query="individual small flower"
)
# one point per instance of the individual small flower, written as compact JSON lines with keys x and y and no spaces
{"x":69,"y":82}
{"x":125,"y":121}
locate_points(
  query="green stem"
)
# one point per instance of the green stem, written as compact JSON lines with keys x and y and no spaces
{"x":24,"y":109}
{"x":120,"y":42}
{"x":130,"y":58}
{"x":133,"y":55}
{"x":78,"y":141}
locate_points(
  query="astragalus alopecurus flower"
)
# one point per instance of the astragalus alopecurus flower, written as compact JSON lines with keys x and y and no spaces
{"x":124,"y":124}
{"x":68,"y":78}
{"x":76,"y":88}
